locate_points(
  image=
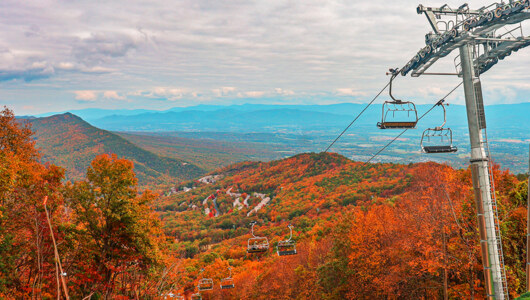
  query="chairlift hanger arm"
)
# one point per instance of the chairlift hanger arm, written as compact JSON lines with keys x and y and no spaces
{"x":252,"y":228}
{"x":394,"y":73}
{"x":290,"y":232}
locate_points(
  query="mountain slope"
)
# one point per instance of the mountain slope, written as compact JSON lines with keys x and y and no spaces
{"x":205,"y":153}
{"x":363,"y":231}
{"x":72,"y":143}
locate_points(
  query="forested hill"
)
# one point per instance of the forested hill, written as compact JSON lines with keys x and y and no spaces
{"x":364,"y":231}
{"x":68,"y":141}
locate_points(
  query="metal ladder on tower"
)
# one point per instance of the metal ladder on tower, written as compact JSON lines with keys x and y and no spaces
{"x":498,"y":238}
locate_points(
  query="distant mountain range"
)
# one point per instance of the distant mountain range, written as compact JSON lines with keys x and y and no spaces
{"x":72,"y":143}
{"x":284,"y":118}
{"x":211,"y":136}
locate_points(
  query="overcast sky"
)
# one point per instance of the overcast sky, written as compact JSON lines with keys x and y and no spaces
{"x":60,"y":55}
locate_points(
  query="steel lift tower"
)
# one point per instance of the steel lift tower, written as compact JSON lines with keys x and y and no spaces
{"x":483,"y":36}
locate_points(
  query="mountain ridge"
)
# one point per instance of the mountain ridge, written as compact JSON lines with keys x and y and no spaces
{"x":70,"y":142}
{"x":253,"y":118}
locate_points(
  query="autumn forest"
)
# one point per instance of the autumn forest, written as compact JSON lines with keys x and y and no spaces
{"x":362,"y":231}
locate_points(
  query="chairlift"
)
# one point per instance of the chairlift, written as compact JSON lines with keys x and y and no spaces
{"x":172,"y":295}
{"x":445,"y":135}
{"x":228,"y":282}
{"x":287,"y":247}
{"x":196,"y":296}
{"x":257,"y":244}
{"x":398,"y":109}
{"x":205,"y":284}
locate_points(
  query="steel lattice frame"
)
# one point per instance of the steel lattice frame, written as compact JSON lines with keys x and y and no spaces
{"x":475,"y":27}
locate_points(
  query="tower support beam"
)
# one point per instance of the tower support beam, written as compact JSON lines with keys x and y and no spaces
{"x":486,"y":205}
{"x":528,"y":229}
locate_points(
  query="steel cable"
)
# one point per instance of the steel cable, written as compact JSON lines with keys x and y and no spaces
{"x":394,"y":139}
{"x":365,"y":108}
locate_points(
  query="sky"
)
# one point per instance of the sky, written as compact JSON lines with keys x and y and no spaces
{"x":65,"y":55}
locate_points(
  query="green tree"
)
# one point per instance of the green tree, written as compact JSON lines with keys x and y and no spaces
{"x":116,"y":230}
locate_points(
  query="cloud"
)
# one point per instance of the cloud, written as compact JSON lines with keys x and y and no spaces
{"x":86,"y":95}
{"x":26,"y":75}
{"x":165,"y":93}
{"x":224,"y":91}
{"x":350,"y":92}
{"x":254,"y":94}
{"x":283,"y":92}
{"x":101,"y":47}
{"x":75,"y":67}
{"x":67,"y":66}
{"x":113,"y":95}
{"x":96,"y":70}
{"x":23,"y":65}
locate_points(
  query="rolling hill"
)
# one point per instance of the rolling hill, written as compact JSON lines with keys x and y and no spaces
{"x":363,"y":231}
{"x":68,"y":141}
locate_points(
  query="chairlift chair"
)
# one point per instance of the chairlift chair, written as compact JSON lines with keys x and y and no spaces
{"x":435,"y":133}
{"x":398,"y":109}
{"x":257,"y":244}
{"x":228,"y":282}
{"x":196,"y":296}
{"x":205,"y":284}
{"x":176,"y":296}
{"x":287,"y":247}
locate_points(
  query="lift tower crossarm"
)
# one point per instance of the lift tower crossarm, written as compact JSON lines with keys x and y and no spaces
{"x":466,"y":26}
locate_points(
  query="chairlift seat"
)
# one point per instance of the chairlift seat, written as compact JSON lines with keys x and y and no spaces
{"x":440,"y":149}
{"x":196,"y":297}
{"x":227,"y":283}
{"x":257,"y":245}
{"x":286,"y":248}
{"x":398,"y":114}
{"x":445,"y":136}
{"x":205,"y":284}
{"x":396,"y":125}
{"x":286,"y":252}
